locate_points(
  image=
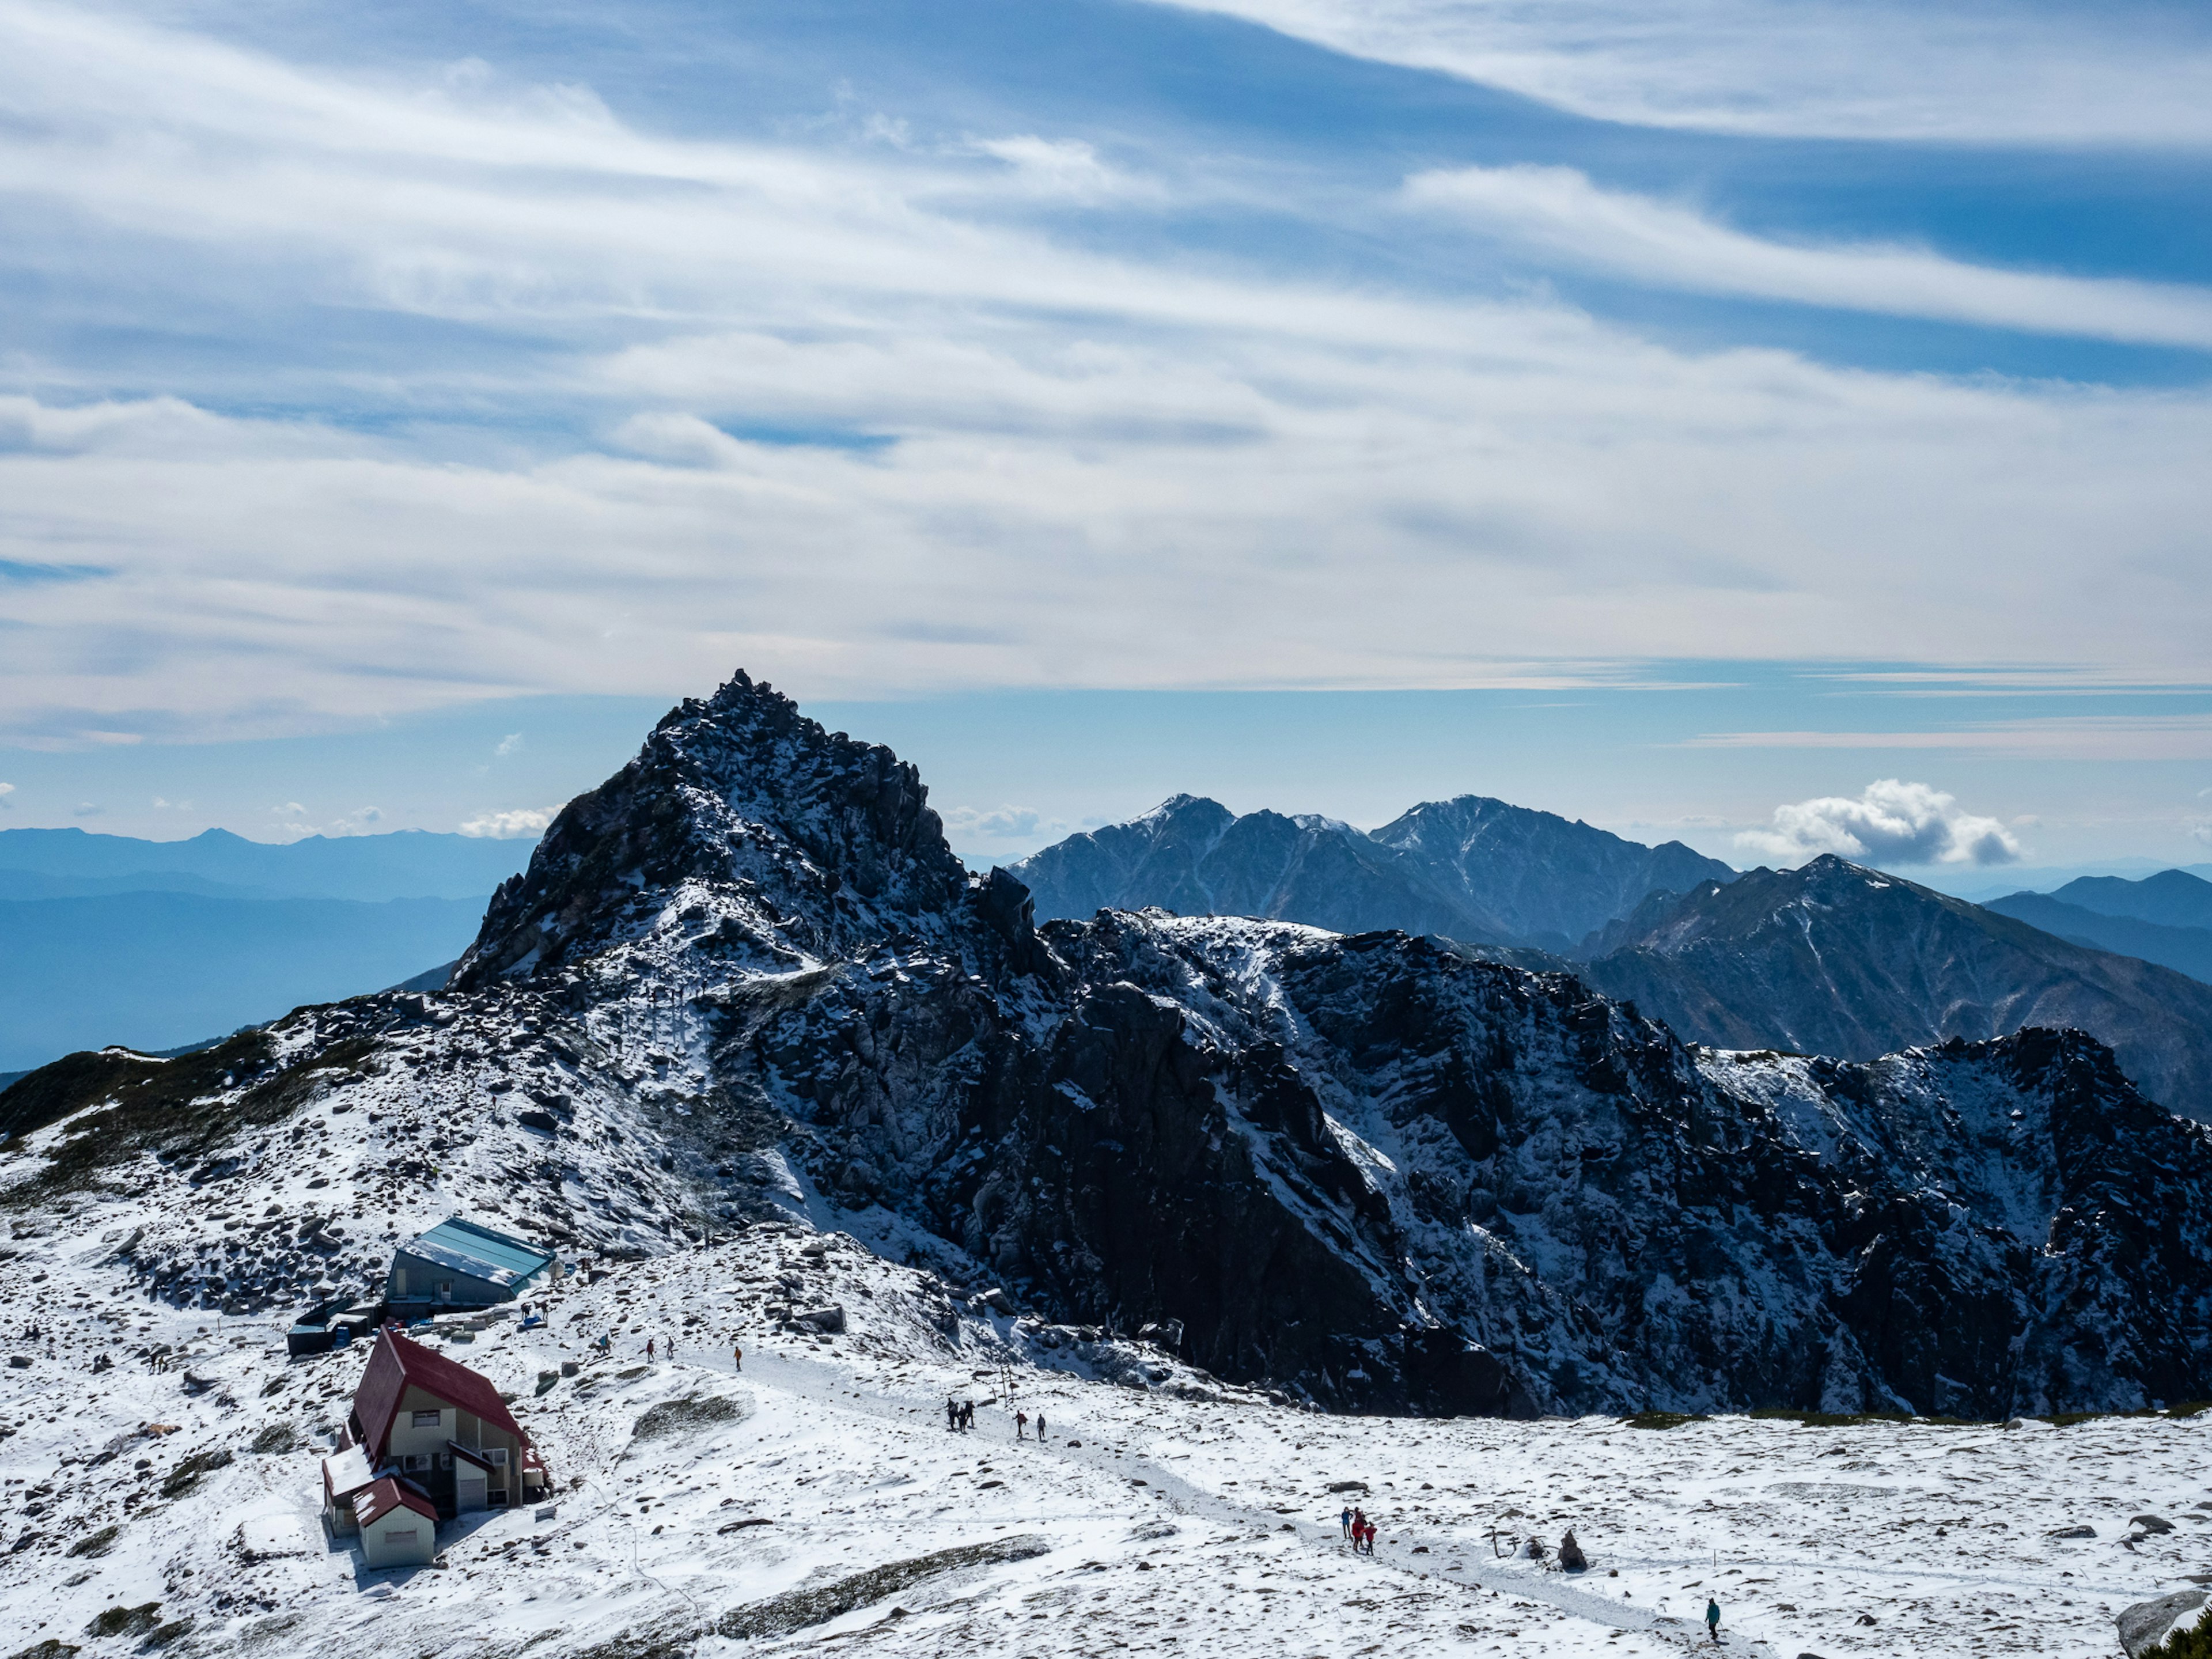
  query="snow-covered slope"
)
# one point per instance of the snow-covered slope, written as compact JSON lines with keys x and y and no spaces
{"x":816,"y":1497}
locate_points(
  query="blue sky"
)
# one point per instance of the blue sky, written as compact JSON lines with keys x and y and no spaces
{"x":1665,"y":414}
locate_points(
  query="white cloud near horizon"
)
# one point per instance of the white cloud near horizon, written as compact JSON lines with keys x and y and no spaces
{"x":1560,"y":211}
{"x":1891,"y":822}
{"x":1953,"y":71}
{"x":510,"y":825}
{"x":812,"y":416}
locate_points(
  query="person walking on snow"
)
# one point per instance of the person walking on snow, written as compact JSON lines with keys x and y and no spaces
{"x":1344,"y":1523}
{"x":1713,"y":1618}
{"x":648,"y":1347}
{"x":1040,"y":1428}
{"x":951,"y":1416}
{"x":1021,"y":1426}
{"x":737,"y":1357}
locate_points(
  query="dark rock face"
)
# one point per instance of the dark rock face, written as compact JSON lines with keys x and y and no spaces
{"x":1373,"y":1169}
{"x":1471,"y":869}
{"x":1835,"y":960}
{"x":1394,"y":1176}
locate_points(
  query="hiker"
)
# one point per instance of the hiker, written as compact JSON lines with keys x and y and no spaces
{"x":1040,"y":1428}
{"x":1358,"y":1524}
{"x":737,"y":1357}
{"x":648,"y":1347}
{"x":1344,"y":1523}
{"x":1713,"y":1618}
{"x":1021,"y":1426}
{"x":967,"y":1414}
{"x":951,"y":1416}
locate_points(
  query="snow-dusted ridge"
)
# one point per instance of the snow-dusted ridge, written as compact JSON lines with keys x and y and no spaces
{"x":744,"y":996}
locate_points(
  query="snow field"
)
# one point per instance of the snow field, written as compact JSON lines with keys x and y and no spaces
{"x":1177,"y":1518}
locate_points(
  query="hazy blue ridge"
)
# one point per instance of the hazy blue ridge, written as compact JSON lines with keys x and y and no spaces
{"x":2184,"y":950}
{"x":406,"y":864}
{"x":154,"y":971}
{"x":2172,"y":898}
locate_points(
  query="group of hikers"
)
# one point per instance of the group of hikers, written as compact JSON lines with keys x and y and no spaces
{"x":1359,"y":1529}
{"x":960,"y":1416}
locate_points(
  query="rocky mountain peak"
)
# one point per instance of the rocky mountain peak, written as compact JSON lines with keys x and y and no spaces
{"x":788,"y":839}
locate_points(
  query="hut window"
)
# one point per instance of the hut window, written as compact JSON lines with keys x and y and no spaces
{"x":428,"y":1419}
{"x":407,"y":1537}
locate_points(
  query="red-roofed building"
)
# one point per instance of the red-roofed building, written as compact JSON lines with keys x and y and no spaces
{"x":399,"y":1524}
{"x":442,"y":1427}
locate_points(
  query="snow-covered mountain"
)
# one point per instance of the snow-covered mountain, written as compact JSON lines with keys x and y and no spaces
{"x":746,"y":977}
{"x":1472,"y":869}
{"x":1835,"y":960}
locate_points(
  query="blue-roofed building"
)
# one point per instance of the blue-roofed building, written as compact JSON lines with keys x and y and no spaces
{"x":459,"y":1264}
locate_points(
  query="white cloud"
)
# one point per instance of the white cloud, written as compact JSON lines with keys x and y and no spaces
{"x":509,"y":745}
{"x":6,"y":790}
{"x":2201,"y":829}
{"x":1892,"y":823}
{"x":510,"y":826}
{"x":996,"y":823}
{"x":1064,"y":167}
{"x":1949,"y":70}
{"x":1665,"y":245}
{"x":290,"y":809}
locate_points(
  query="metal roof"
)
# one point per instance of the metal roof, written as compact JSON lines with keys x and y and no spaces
{"x":496,"y":1258}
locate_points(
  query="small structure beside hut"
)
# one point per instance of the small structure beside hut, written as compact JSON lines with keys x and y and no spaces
{"x":460,"y":1264}
{"x":428,"y":1439}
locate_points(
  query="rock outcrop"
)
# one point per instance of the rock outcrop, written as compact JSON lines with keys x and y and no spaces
{"x":746,"y":977}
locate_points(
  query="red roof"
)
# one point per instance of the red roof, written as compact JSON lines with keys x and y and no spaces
{"x":394,"y":1364}
{"x":382,"y":1496}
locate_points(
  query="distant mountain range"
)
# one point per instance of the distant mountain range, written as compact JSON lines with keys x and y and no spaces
{"x":2166,"y":918}
{"x":1472,"y":869}
{"x":1835,"y":960}
{"x":107,"y":939}
{"x":405,"y":864}
{"x":1828,"y":959}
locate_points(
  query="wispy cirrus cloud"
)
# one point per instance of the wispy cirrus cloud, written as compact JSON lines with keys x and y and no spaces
{"x":2060,"y":737}
{"x":1560,"y":212}
{"x":1043,"y":460}
{"x":1944,"y":70}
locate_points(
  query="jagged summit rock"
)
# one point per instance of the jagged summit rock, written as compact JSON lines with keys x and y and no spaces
{"x":808,"y":841}
{"x":745,"y":979}
{"x":1834,"y":958}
